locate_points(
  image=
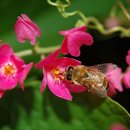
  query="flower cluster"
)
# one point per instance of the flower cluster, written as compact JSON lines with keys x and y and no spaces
{"x":116,"y":78}
{"x":13,"y":69}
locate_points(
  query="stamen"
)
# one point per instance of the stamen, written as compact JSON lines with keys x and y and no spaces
{"x":57,"y":75}
{"x":8,"y":69}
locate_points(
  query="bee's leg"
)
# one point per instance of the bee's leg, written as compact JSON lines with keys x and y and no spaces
{"x":76,"y":82}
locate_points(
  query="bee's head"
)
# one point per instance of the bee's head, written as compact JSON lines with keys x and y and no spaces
{"x":69,"y":71}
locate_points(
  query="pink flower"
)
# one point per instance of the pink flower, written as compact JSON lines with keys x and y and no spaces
{"x":128,"y":58}
{"x":1,"y":94}
{"x":74,"y":39}
{"x":13,"y":70}
{"x":118,"y":126}
{"x":26,"y":29}
{"x":53,"y":69}
{"x":114,"y":79}
{"x":126,"y":77}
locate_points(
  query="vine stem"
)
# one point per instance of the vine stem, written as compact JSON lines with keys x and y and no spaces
{"x":124,"y":10}
{"x":37,"y":50}
{"x":93,"y":22}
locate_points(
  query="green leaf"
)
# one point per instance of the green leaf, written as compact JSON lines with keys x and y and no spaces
{"x":30,"y":110}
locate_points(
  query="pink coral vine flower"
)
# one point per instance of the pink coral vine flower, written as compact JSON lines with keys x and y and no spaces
{"x":74,"y":39}
{"x":118,"y":126}
{"x":114,"y":79}
{"x":126,"y":77}
{"x":26,"y":29}
{"x":13,"y":70}
{"x":1,"y":94}
{"x":53,"y":69}
{"x":128,"y":58}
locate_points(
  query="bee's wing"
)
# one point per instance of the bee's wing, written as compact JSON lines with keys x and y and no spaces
{"x":105,"y":68}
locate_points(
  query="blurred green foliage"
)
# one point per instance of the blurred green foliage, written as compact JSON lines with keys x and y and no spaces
{"x":46,"y":17}
{"x":30,"y":110}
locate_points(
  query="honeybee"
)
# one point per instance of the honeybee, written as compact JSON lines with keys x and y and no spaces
{"x":91,"y":77}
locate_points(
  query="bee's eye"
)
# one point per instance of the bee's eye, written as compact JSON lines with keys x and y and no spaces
{"x":68,"y":77}
{"x":69,"y":73}
{"x":70,"y":68}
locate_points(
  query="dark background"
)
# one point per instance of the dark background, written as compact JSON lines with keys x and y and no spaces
{"x":110,"y":50}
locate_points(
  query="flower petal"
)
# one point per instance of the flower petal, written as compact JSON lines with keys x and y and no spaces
{"x":1,"y":93}
{"x":6,"y":50}
{"x":58,"y":89}
{"x":128,"y":58}
{"x":7,"y":83}
{"x":64,"y":47}
{"x":76,"y":40}
{"x":43,"y":85}
{"x":48,"y":60}
{"x":82,"y":38}
{"x":111,"y":91}
{"x":24,"y":31}
{"x":75,"y":88}
{"x":63,"y":62}
{"x":44,"y":82}
{"x":32,"y":24}
{"x":114,"y":79}
{"x":118,"y":126}
{"x":21,"y":76}
{"x":67,"y":32}
{"x":17,"y":61}
{"x":126,"y":79}
{"x":73,"y":47}
{"x":3,"y":60}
